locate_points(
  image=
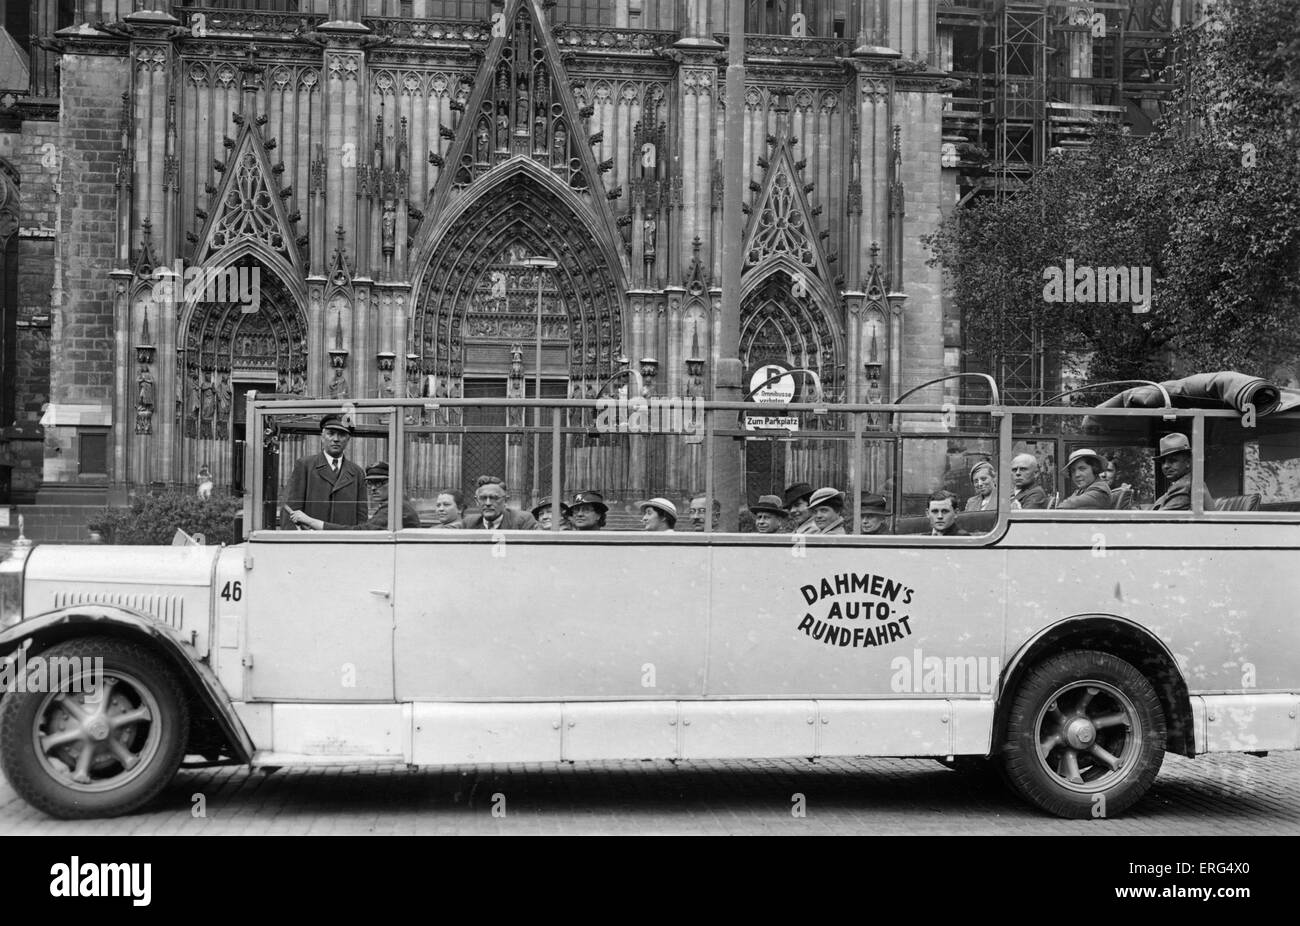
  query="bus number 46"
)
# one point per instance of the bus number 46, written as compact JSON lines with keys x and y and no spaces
{"x":232,"y":591}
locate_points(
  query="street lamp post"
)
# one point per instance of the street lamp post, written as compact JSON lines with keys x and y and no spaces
{"x":539,"y":264}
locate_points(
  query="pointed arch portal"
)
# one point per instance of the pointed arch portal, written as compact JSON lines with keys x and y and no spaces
{"x":517,"y":215}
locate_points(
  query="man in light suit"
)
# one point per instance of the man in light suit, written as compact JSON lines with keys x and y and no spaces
{"x":493,"y":514}
{"x":325,"y":487}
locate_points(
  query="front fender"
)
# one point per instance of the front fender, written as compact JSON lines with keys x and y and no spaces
{"x":55,"y":627}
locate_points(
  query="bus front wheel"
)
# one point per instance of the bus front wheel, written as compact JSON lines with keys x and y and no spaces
{"x":1085,"y":735}
{"x":103,"y":738}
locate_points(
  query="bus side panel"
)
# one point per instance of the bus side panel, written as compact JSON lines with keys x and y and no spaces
{"x":549,"y":620}
{"x":880,"y":622}
{"x":1221,"y":596}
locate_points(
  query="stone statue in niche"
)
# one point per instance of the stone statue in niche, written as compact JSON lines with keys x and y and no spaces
{"x":225,"y":397}
{"x":389,"y":225}
{"x":145,"y":382}
{"x":339,"y":384}
{"x":207,"y":406}
{"x":145,"y":402}
{"x":649,"y":230}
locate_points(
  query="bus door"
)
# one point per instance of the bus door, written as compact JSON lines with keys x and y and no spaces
{"x":322,"y":627}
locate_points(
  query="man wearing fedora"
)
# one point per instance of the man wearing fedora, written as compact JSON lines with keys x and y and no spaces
{"x":589,"y":510}
{"x":493,"y":513}
{"x":769,"y":515}
{"x":325,"y":486}
{"x":875,"y":514}
{"x":1175,"y":461}
{"x":827,"y":507}
{"x":542,"y":513}
{"x":796,"y":503}
{"x":1085,"y":468}
{"x":658,"y":514}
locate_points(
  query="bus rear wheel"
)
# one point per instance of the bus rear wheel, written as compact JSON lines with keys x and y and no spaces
{"x":1085,"y":735}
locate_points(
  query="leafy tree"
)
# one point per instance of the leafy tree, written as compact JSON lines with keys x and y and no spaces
{"x":1210,"y":202}
{"x":154,"y":519}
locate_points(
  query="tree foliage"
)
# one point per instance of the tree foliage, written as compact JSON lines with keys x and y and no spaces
{"x":153,"y":520}
{"x":1210,"y":202}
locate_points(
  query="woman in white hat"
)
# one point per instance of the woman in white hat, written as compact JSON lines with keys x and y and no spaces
{"x":985,"y":482}
{"x":827,"y":507}
{"x":1085,"y":468}
{"x":659,"y":514}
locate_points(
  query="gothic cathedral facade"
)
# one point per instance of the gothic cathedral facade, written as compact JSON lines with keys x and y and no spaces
{"x":342,"y":199}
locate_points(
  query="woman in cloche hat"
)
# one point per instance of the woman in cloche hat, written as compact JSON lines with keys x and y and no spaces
{"x":1085,"y":468}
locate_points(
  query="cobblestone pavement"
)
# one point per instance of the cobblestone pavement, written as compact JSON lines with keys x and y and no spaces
{"x":1215,"y":795}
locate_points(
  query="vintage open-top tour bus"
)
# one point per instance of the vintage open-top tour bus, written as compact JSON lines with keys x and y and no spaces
{"x":1069,"y":647}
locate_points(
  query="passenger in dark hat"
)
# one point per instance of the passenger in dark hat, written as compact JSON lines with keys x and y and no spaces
{"x":769,"y":515}
{"x":875,"y":514}
{"x":796,"y":503}
{"x":1175,"y":460}
{"x":542,"y":512}
{"x":588,"y":511}
{"x":377,"y":486}
{"x":324,"y":487}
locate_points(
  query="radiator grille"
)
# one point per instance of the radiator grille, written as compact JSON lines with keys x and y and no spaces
{"x":170,"y":609}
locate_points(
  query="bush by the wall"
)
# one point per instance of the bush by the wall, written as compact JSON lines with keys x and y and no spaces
{"x":154,"y":519}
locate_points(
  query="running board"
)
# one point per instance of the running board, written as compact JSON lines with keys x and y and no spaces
{"x":264,"y":758}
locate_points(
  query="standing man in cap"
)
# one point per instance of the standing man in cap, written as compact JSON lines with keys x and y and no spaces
{"x":658,"y":514}
{"x":1085,"y":468}
{"x":589,"y":511}
{"x":875,"y":514}
{"x":1024,"y":479}
{"x":827,"y":507}
{"x":796,"y":503}
{"x":493,"y":514}
{"x":769,"y":515}
{"x":1175,"y":461}
{"x":326,"y":487}
{"x":542,"y":514}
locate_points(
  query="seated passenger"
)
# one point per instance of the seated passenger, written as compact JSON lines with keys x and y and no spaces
{"x":1024,"y":479}
{"x":1120,"y":495}
{"x":377,"y":486}
{"x":985,"y":483}
{"x":588,"y":511}
{"x":1176,"y":463}
{"x":449,"y":509}
{"x":827,"y":507}
{"x":493,"y":515}
{"x":769,"y":515}
{"x":942,"y":512}
{"x":1084,"y":468}
{"x":542,"y":512}
{"x":697,"y":512}
{"x":796,"y":503}
{"x":658,"y":514}
{"x":875,"y":514}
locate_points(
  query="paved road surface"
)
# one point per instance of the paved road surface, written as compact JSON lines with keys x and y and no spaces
{"x":1215,"y":795}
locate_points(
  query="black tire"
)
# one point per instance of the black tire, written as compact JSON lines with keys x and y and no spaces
{"x":1085,"y":735}
{"x":113,"y":759}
